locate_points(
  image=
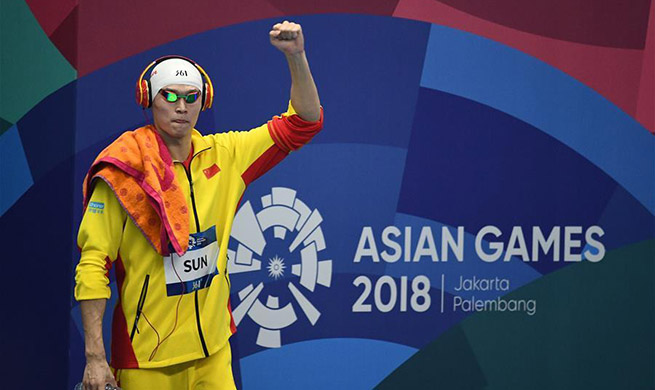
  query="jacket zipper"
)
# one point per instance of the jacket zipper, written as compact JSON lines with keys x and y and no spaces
{"x":195,"y":214}
{"x":139,"y":306}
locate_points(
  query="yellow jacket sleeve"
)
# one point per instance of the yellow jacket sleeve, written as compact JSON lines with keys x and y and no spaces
{"x":246,"y":147}
{"x":99,"y":239}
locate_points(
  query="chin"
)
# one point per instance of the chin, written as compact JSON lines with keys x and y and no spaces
{"x":181,"y":132}
{"x":176,"y":131}
{"x":175,"y":125}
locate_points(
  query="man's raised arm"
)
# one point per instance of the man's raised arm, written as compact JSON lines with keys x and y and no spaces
{"x":288,"y":38}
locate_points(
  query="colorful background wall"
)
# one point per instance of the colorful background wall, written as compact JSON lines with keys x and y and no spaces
{"x":476,"y":214}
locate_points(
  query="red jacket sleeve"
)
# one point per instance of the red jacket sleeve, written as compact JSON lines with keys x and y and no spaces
{"x":291,"y":132}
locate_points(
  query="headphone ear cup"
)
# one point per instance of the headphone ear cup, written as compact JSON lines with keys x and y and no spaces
{"x":208,"y":96}
{"x":139,"y":92}
{"x":148,"y":94}
{"x":203,"y":97}
{"x":142,"y":93}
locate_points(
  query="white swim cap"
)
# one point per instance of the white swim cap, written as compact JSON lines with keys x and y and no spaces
{"x":174,"y":71}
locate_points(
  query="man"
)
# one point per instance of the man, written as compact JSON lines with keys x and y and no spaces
{"x":160,"y":203}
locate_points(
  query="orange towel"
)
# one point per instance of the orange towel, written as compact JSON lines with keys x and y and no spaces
{"x":139,"y":169}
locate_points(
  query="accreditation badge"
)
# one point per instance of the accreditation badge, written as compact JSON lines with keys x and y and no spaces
{"x":196,"y":268}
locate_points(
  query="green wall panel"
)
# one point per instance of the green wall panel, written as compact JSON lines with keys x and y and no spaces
{"x":31,"y":67}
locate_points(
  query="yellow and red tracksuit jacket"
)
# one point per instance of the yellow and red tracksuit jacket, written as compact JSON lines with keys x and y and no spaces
{"x":158,"y":320}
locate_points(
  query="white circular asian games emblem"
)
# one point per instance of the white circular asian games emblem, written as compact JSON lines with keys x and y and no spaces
{"x":287,"y":215}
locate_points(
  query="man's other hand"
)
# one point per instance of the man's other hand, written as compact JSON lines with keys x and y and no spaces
{"x":97,"y":374}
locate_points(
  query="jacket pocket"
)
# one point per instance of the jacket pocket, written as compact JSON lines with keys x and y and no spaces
{"x":139,"y":306}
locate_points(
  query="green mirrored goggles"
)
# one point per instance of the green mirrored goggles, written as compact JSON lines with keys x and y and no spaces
{"x":172,"y":97}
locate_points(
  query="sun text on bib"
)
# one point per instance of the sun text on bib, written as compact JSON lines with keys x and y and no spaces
{"x":196,"y":268}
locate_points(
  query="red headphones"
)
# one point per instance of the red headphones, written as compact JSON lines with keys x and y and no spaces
{"x":144,"y":92}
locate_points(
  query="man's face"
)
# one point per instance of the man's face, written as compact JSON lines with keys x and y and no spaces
{"x":175,"y":119}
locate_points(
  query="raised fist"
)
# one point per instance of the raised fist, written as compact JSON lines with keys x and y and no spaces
{"x":287,"y":37}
